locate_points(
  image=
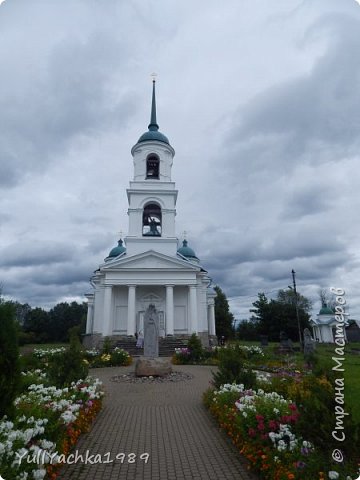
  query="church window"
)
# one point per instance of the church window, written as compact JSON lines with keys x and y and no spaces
{"x":152,"y":220}
{"x":152,"y":167}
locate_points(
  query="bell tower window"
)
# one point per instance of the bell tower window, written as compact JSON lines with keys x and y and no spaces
{"x":152,"y":221}
{"x":152,"y":167}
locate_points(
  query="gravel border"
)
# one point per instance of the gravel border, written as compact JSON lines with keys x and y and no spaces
{"x":170,"y":378}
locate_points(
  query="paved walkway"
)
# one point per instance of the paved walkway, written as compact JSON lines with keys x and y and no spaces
{"x":165,"y":420}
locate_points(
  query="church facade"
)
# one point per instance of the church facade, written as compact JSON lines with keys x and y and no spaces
{"x":324,"y":326}
{"x":149,"y":267}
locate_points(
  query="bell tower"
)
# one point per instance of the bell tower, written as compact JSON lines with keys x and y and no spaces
{"x":152,"y":195}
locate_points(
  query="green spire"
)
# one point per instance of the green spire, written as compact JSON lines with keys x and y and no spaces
{"x":153,"y":126}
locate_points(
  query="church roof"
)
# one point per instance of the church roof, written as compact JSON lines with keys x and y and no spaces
{"x":325,"y":310}
{"x":150,"y":261}
{"x":153,"y":132}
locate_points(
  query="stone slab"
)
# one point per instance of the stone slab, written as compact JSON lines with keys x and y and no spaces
{"x":152,"y":367}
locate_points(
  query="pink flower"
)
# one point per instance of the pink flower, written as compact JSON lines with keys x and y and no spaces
{"x":252,"y":432}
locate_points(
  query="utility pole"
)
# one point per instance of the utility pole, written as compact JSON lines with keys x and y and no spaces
{"x":296,"y":306}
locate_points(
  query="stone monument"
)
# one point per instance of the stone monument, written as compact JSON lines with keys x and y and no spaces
{"x":150,"y":365}
{"x":285,"y":344}
{"x":309,"y":344}
{"x":151,"y":332}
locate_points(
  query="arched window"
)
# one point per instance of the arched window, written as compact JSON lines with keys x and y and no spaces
{"x":152,"y":167}
{"x":152,"y":220}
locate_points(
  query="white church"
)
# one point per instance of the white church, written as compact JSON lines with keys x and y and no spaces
{"x":148,"y":266}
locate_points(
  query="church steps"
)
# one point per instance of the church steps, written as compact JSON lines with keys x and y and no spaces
{"x":166,"y":346}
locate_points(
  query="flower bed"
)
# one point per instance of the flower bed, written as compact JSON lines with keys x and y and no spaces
{"x":114,"y":358}
{"x":47,"y":425}
{"x":210,"y":356}
{"x":93,"y":358}
{"x":263,"y":426}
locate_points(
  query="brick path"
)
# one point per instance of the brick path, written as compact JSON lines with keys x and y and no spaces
{"x":166,"y":420}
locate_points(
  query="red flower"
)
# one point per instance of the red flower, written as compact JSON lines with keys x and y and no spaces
{"x":272,"y":424}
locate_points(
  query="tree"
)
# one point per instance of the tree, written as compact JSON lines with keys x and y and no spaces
{"x":65,"y":316}
{"x":9,"y":358}
{"x":21,"y":311}
{"x":223,"y":317}
{"x":248,"y":329}
{"x":37,"y":321}
{"x":288,"y":297}
{"x":274,"y":316}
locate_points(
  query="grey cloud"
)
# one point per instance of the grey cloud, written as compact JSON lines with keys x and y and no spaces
{"x":26,"y":254}
{"x":69,"y":91}
{"x":309,"y":201}
{"x":309,"y":119}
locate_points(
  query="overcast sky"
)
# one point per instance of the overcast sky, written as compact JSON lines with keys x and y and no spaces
{"x":260,"y":99}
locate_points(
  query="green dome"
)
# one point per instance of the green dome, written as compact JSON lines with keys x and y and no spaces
{"x":325,"y":310}
{"x":153,"y":135}
{"x":116,"y":251}
{"x":186,"y":251}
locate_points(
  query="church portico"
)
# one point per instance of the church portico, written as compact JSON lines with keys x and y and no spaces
{"x":149,"y":267}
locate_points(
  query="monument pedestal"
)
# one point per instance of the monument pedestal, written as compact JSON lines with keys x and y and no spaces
{"x":152,"y":367}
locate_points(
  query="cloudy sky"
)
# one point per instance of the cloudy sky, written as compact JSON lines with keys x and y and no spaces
{"x":261,"y":101}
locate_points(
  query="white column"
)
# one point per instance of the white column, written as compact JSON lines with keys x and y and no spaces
{"x":108,"y":320}
{"x":131,"y":323}
{"x":212,"y":329}
{"x":90,"y":318}
{"x":169,"y":310}
{"x":193,"y":309}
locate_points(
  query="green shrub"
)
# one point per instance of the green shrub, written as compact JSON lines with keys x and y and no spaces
{"x":29,"y":361}
{"x":232,"y":369}
{"x":316,"y":400}
{"x":76,"y":330}
{"x":69,"y":366}
{"x":106,"y":348}
{"x":195,"y":347}
{"x":9,"y":359}
{"x":26,"y":337}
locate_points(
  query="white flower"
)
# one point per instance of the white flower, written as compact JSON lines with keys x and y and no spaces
{"x":333,"y":475}
{"x":39,"y":474}
{"x":68,"y":417}
{"x":46,"y":444}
